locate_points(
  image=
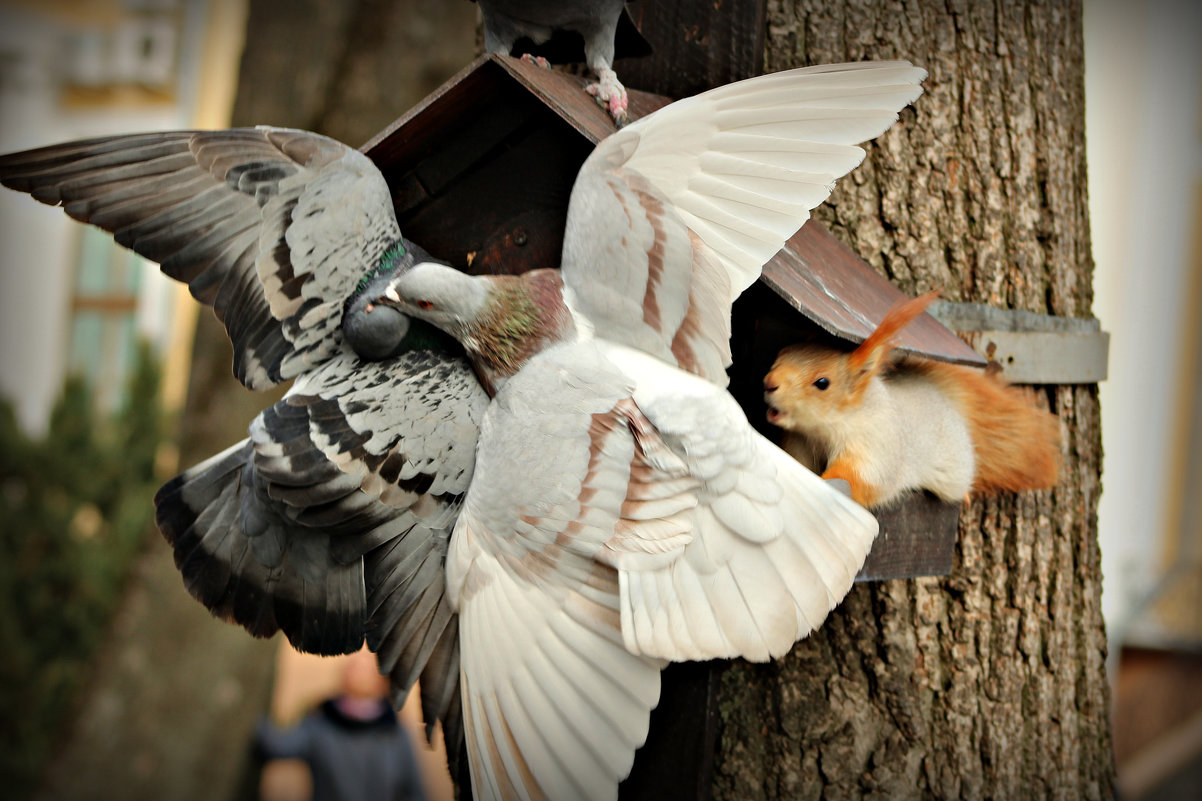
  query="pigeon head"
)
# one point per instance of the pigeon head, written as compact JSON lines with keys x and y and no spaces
{"x":373,"y":331}
{"x":440,"y":295}
{"x":377,"y":330}
{"x":501,"y":320}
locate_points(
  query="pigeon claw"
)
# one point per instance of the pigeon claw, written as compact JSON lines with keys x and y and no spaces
{"x":610,"y":95}
{"x":538,"y":61}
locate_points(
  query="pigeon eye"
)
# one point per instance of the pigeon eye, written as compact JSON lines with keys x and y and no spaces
{"x":822,"y":383}
{"x":425,"y":304}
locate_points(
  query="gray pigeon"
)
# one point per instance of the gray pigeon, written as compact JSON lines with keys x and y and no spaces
{"x":331,"y":520}
{"x":597,"y":21}
{"x":648,"y":521}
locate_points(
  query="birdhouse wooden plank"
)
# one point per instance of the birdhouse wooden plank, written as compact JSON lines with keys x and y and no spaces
{"x":1030,"y":348}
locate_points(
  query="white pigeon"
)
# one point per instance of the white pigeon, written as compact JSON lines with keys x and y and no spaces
{"x":623,"y":512}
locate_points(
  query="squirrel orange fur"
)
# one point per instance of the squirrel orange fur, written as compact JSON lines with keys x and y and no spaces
{"x":892,"y":427}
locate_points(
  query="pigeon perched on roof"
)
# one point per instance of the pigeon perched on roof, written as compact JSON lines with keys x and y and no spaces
{"x":623,"y":512}
{"x":599,"y":22}
{"x":331,"y":521}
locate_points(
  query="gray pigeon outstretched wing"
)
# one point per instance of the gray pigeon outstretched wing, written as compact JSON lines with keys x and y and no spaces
{"x":331,"y":521}
{"x":271,"y":227}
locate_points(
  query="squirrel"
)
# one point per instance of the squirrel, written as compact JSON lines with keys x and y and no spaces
{"x":889,"y":427}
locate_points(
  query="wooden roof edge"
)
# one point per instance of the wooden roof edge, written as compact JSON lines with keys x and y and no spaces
{"x":451,"y":85}
{"x":560,"y":91}
{"x":830,"y":285}
{"x":564,"y":94}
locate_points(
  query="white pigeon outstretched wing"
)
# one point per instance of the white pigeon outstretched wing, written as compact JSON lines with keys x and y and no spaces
{"x":600,"y":537}
{"x":554,"y":705}
{"x":271,"y":227}
{"x":675,"y":215}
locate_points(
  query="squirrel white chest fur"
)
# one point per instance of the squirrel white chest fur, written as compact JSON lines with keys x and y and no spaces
{"x":904,"y":435}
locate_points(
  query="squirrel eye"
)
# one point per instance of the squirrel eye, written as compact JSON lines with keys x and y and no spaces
{"x":425,"y":304}
{"x":822,"y":383}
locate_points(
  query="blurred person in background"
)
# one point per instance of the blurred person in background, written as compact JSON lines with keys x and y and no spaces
{"x":353,"y":745}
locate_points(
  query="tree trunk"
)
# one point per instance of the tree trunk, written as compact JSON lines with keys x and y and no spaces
{"x":347,"y":69}
{"x":990,"y":682}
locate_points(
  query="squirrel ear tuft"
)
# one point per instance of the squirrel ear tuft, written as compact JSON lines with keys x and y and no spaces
{"x":866,"y":360}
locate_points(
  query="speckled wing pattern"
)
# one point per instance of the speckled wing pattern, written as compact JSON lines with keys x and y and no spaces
{"x":331,"y":521}
{"x":271,"y":227}
{"x":672,"y":217}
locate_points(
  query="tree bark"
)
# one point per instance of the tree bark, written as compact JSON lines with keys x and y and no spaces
{"x":990,"y":682}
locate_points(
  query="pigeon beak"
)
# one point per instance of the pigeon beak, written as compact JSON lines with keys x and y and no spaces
{"x":390,"y":297}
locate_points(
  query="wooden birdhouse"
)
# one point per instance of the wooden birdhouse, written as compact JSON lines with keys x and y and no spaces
{"x":481,"y":173}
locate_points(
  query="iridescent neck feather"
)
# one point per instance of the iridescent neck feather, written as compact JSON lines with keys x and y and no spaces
{"x":526,"y":315}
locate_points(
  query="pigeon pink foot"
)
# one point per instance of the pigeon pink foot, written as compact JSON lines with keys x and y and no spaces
{"x":536,"y":60}
{"x":610,"y":94}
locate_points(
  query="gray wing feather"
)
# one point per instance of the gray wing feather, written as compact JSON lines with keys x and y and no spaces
{"x":331,"y":522}
{"x":409,"y":437}
{"x":271,"y":227}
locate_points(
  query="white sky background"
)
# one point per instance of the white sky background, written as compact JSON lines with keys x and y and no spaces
{"x":1143,"y":81}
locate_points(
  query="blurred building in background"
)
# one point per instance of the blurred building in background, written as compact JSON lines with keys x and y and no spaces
{"x":70,"y":299}
{"x":1143,"y":78}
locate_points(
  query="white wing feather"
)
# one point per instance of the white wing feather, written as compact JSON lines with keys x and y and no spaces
{"x":622,"y":513}
{"x":771,"y":548}
{"x":554,"y":703}
{"x":724,"y":178}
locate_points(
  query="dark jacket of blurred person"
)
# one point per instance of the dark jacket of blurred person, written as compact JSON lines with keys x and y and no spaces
{"x":353,"y":743}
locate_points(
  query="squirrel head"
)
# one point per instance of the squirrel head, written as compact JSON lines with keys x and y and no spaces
{"x":811,"y":388}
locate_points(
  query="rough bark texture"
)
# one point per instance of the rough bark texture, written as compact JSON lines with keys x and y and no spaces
{"x":989,"y":683}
